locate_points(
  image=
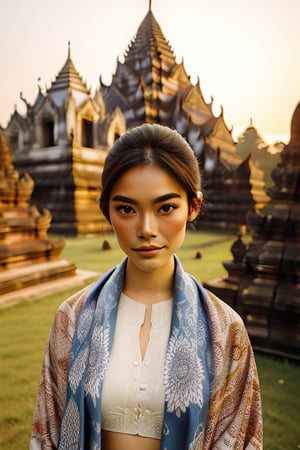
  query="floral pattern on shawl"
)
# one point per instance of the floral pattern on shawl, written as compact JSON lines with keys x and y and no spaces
{"x":233,"y":419}
{"x":184,"y":370}
{"x":186,"y":377}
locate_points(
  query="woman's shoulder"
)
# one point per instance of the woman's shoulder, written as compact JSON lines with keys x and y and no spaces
{"x":69,"y":309}
{"x":219,"y":313}
{"x":227,"y":326}
{"x":221,"y":307}
{"x":72,"y":306}
{"x":77,"y":299}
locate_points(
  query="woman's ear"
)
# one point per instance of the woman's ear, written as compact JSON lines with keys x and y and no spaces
{"x":195,"y":207}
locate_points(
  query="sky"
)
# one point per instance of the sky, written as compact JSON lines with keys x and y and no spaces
{"x":246,"y":53}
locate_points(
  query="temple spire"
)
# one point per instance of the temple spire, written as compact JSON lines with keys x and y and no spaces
{"x":69,"y":50}
{"x":150,"y":5}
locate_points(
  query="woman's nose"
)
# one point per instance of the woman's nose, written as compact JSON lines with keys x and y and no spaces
{"x":147,"y":226}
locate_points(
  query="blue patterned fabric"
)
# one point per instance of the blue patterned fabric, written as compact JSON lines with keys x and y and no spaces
{"x":187,"y":376}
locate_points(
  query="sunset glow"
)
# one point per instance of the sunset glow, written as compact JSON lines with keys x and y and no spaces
{"x":246,"y":54}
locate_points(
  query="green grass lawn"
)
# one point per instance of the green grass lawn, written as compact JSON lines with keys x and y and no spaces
{"x":24,"y":329}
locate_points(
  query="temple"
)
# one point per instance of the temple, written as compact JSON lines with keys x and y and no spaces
{"x":150,"y":86}
{"x":251,"y":142}
{"x":64,"y":137}
{"x":263,"y":282}
{"x":62,"y":142}
{"x":27,"y":255}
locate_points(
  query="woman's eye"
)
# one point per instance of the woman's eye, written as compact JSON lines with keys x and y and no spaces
{"x":167,"y":208}
{"x":125,"y":209}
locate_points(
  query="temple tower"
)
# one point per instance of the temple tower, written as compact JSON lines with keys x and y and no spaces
{"x":62,"y":142}
{"x":263,"y":281}
{"x":150,"y":86}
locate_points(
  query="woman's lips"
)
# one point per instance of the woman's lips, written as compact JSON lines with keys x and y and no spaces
{"x":150,"y":250}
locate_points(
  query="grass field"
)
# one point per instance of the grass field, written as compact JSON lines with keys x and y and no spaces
{"x":24,"y":329}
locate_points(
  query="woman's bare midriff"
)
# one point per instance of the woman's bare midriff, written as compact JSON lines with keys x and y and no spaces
{"x":120,"y":441}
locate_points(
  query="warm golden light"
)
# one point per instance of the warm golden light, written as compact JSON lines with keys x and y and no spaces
{"x":245,"y":53}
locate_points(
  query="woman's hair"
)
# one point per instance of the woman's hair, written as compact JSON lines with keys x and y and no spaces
{"x":151,"y":144}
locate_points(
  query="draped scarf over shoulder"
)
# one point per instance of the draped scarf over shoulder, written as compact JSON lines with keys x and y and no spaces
{"x":186,"y":375}
{"x":212,"y":396}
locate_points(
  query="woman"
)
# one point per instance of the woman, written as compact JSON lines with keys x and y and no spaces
{"x":146,"y":358}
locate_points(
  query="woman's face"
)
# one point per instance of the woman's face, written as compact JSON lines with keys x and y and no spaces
{"x":148,"y":211}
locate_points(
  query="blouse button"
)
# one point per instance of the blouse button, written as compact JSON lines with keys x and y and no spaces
{"x":135,"y":363}
{"x":142,"y":387}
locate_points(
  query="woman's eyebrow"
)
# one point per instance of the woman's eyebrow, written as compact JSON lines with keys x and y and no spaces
{"x":165,"y":197}
{"x":161,"y":198}
{"x":122,"y":198}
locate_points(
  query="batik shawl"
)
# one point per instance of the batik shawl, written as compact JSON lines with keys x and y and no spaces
{"x":211,"y":388}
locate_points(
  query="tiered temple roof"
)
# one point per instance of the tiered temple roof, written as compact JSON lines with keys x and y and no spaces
{"x":62,"y":142}
{"x":68,"y":79}
{"x":153,"y":83}
{"x":27,"y":255}
{"x":150,"y":86}
{"x":263,"y":281}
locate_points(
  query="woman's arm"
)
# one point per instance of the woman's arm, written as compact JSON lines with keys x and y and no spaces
{"x":51,"y":394}
{"x":235,"y":415}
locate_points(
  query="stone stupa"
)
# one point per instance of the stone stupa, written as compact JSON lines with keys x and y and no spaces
{"x":263,"y":282}
{"x":27,"y":255}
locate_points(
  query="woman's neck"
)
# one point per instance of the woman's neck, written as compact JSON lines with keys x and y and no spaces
{"x":149,"y":286}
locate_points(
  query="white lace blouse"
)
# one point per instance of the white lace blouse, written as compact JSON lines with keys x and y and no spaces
{"x":133,"y":392}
